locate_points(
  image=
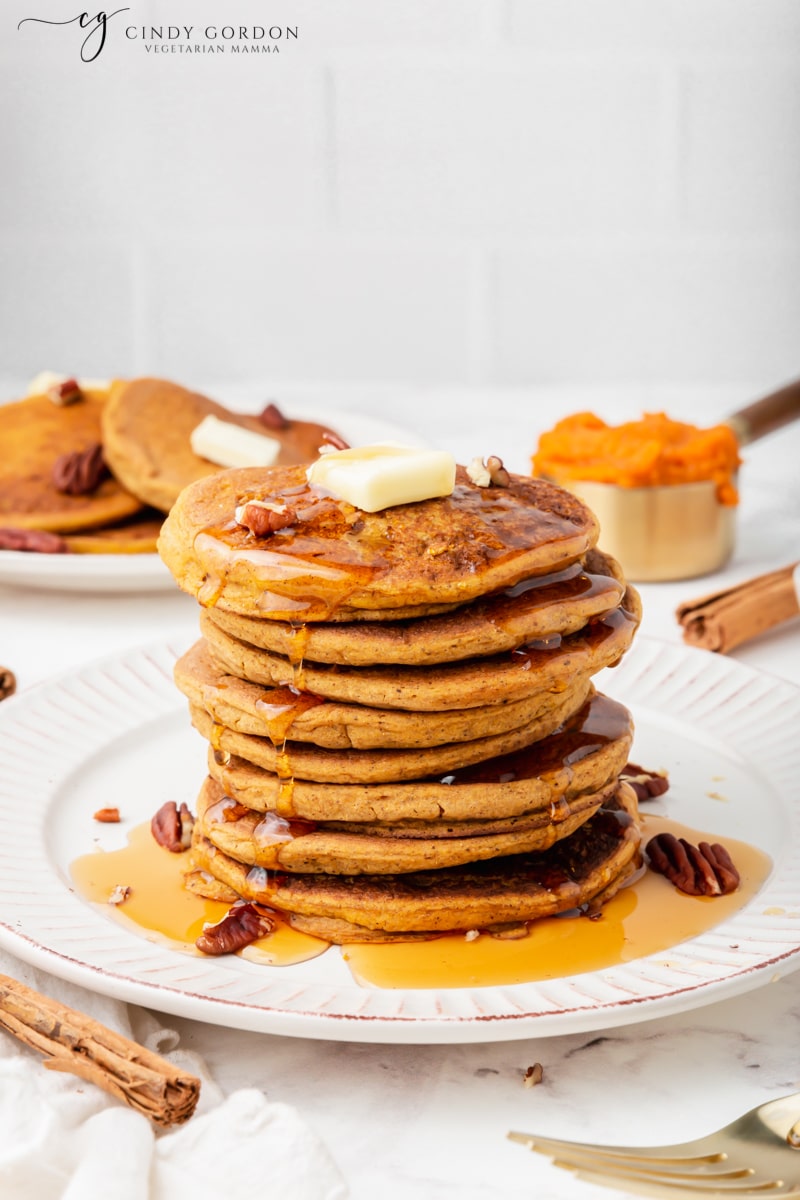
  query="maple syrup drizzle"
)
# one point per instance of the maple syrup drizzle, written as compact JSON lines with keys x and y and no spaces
{"x":647,"y":917}
{"x":598,"y":723}
{"x":280,"y":709}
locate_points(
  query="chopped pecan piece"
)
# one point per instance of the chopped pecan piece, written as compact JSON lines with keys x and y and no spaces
{"x":333,"y":441}
{"x":533,"y":1075}
{"x":646,"y":784}
{"x":107,"y":816}
{"x":264,"y":518}
{"x":241,"y":925}
{"x":8,"y":683}
{"x":172,"y":827}
{"x":704,"y":870}
{"x":79,"y":472}
{"x":119,"y":894}
{"x":488,"y":473}
{"x":497,"y":472}
{"x":273,"y":418}
{"x":67,"y":392}
{"x":36,"y":541}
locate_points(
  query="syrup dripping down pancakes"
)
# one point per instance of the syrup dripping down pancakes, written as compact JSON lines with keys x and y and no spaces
{"x":404,"y":734}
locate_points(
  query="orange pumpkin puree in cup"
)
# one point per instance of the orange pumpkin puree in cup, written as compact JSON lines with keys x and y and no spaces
{"x":650,"y":452}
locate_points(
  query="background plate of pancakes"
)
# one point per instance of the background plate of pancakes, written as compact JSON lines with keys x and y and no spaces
{"x":91,"y":569}
{"x":116,"y":732}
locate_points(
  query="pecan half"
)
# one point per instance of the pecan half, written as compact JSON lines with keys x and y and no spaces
{"x":172,"y":827}
{"x":107,"y":816}
{"x":8,"y":683}
{"x":646,"y":784}
{"x":80,"y":471}
{"x":273,"y":418}
{"x":488,"y":473}
{"x":333,"y":440}
{"x":67,"y":392}
{"x":704,"y":870}
{"x":241,"y":925}
{"x":36,"y":541}
{"x":263,"y":518}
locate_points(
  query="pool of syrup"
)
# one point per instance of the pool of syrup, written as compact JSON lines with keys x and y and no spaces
{"x":649,"y":916}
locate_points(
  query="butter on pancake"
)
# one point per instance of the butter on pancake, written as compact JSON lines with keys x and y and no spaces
{"x":336,"y":560}
{"x":147,"y":429}
{"x":35,"y":433}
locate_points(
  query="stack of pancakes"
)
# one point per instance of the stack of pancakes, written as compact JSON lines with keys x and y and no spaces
{"x":404,"y":737}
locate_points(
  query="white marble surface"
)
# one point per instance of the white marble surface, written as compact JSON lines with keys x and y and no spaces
{"x":431,"y":1121}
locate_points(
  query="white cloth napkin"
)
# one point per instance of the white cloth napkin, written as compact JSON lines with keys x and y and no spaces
{"x":64,"y":1139}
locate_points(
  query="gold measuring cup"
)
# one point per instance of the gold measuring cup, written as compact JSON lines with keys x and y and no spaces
{"x":677,"y":531}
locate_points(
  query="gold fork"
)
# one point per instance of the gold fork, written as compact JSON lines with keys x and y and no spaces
{"x":756,"y":1155}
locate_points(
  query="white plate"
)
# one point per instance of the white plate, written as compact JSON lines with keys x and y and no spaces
{"x":118,"y":730}
{"x":146,"y":572}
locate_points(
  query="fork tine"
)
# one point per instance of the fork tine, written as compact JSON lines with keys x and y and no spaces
{"x":666,"y":1155}
{"x":695,"y":1185}
{"x":654,"y":1173}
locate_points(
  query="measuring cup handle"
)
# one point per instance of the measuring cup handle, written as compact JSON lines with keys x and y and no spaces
{"x":764,"y":416}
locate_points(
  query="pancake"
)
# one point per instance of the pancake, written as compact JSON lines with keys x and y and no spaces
{"x":303,"y":761}
{"x":578,"y":870}
{"x":531,"y":670}
{"x":279,"y":712}
{"x":336,"y":560}
{"x":267,"y":840}
{"x":34,"y":433}
{"x":585,"y":754}
{"x":137,"y":535}
{"x":541,"y":607}
{"x":147,"y":425}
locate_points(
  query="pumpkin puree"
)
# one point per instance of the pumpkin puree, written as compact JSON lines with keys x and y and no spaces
{"x":652,"y":451}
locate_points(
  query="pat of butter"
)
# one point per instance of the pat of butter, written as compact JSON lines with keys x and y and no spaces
{"x":230,"y":445}
{"x":384,"y":475}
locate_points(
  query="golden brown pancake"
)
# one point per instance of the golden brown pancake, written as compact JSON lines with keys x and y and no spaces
{"x":336,"y":561}
{"x":538,"y":608}
{"x":580,"y":869}
{"x":278,"y":712}
{"x":137,"y":535}
{"x":147,"y":426}
{"x":584,"y":755}
{"x":531,"y":670}
{"x":304,"y":761}
{"x":267,"y":840}
{"x":34,"y":433}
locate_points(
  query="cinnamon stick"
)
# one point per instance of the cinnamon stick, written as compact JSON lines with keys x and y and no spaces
{"x":75,"y":1043}
{"x":725,"y":619}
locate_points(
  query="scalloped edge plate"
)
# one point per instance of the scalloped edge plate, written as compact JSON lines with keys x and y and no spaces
{"x":727,"y":734}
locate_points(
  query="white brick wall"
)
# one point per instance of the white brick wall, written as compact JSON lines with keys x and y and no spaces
{"x":567,"y":192}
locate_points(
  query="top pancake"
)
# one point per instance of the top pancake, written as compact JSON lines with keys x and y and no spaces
{"x":339,"y":563}
{"x":34,"y":432}
{"x":147,"y":425}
